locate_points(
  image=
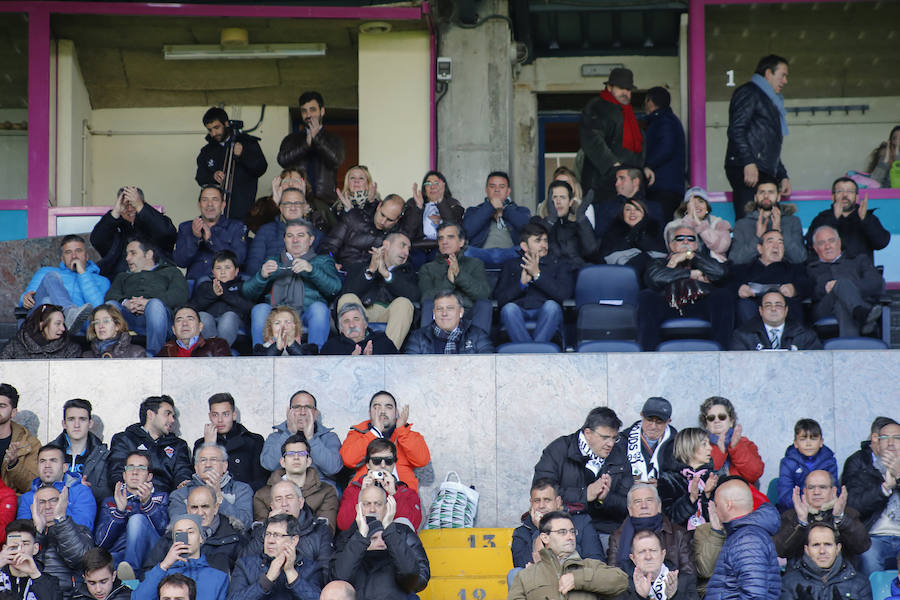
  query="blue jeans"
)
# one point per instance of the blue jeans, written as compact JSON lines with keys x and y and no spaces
{"x":155,"y":323}
{"x":52,"y":291}
{"x":140,"y":536}
{"x":316,"y":321}
{"x":225,"y":326}
{"x":548,"y":317}
{"x":492,"y":257}
{"x":881,"y":555}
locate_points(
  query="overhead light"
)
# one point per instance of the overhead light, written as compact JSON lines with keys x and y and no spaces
{"x":375,"y":27}
{"x":249,"y":51}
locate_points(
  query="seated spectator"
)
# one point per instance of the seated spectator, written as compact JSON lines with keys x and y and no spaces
{"x":571,"y":235}
{"x":84,"y":453}
{"x":224,"y":539}
{"x":562,"y":571}
{"x":764,"y":214}
{"x":652,"y":574}
{"x":696,"y":213}
{"x":131,"y":520}
{"x":299,"y":278}
{"x":243,"y":446}
{"x":453,"y":270}
{"x":281,"y":335}
{"x":360,"y":556}
{"x":633,"y":238}
{"x":315,"y":535}
{"x":817,"y":501}
{"x":360,"y":192}
{"x":772,"y":330}
{"x":379,"y":470}
{"x":18,"y":465}
{"x":629,"y":185}
{"x":42,"y":336}
{"x":203,"y":237}
{"x":546,"y":209}
{"x":17,"y":559}
{"x":493,"y":226}
{"x":386,"y":286}
{"x":184,"y":556}
{"x":883,"y":157}
{"x":176,"y":587}
{"x":387,"y":421}
{"x":79,"y":501}
{"x":665,"y":147}
{"x":128,"y":219}
{"x":279,"y":572}
{"x":269,"y":240}
{"x":317,"y":210}
{"x":822,"y":572}
{"x":147,"y":293}
{"x":808,"y":453}
{"x":526,"y":541}
{"x":303,"y":416}
{"x":860,"y":230}
{"x":188,"y":342}
{"x":688,"y":485}
{"x":645,"y":513}
{"x":223,"y":308}
{"x":448,"y":333}
{"x":430,"y":205}
{"x":235,"y":498}
{"x":338,"y":590}
{"x":748,"y":565}
{"x":100,"y":580}
{"x":870,"y":476}
{"x":707,"y":544}
{"x":769,"y":272}
{"x":844,"y":287}
{"x":732,"y":453}
{"x":355,"y":337}
{"x":7,"y":508}
{"x":357,"y":232}
{"x":109,"y":337}
{"x":169,"y":454}
{"x":532,"y":288}
{"x":685,"y":284}
{"x":296,"y":468}
{"x":649,"y":442}
{"x":63,"y":542}
{"x":591,"y":472}
{"x":75,"y":285}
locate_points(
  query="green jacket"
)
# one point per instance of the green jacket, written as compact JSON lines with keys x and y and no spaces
{"x":322,"y":284}
{"x":593,"y":579}
{"x":471,"y":283}
{"x":164,"y":282}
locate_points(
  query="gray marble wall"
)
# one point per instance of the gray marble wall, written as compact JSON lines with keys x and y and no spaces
{"x":488,"y":417}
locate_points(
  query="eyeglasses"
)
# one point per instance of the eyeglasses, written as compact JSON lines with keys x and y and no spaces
{"x":382,"y":460}
{"x":104,"y":321}
{"x":130,"y":468}
{"x":297,"y":453}
{"x":571,"y":531}
{"x":721,"y":416}
{"x":274,"y":535}
{"x":685,"y":238}
{"x":431,"y":183}
{"x":884,"y":438}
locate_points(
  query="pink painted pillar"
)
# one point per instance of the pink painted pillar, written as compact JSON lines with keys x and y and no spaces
{"x":697,"y":91}
{"x":38,"y":120}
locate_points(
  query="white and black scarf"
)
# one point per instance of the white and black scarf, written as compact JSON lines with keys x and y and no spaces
{"x":636,"y":455}
{"x":658,"y":588}
{"x":594,"y":463}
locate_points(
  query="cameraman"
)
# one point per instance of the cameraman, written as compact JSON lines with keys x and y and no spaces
{"x":380,"y":462}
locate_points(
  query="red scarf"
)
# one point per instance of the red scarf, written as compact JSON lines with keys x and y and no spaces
{"x":631,"y":133}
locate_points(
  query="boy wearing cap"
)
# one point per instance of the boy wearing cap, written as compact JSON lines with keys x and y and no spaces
{"x":649,"y":443}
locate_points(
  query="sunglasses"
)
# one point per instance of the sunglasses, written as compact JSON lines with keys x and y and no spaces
{"x":721,"y":417}
{"x":685,"y":238}
{"x":382,"y":460}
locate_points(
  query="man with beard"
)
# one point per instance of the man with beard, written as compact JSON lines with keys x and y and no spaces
{"x":201,"y":238}
{"x":18,"y":448}
{"x":764,"y":214}
{"x":860,"y":230}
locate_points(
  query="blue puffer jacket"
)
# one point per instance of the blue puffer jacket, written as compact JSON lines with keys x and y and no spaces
{"x":212,"y":584}
{"x":794,"y":469}
{"x":748,"y":564}
{"x":88,"y":287}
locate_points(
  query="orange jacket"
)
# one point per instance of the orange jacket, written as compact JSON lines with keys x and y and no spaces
{"x":412,"y":451}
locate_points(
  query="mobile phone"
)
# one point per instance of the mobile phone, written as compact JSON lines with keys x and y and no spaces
{"x":182,"y":537}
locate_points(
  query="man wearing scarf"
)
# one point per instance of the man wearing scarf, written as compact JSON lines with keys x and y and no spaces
{"x":654,"y":577}
{"x":757,"y":125}
{"x":610,"y":135}
{"x":649,"y":442}
{"x":823,"y":572}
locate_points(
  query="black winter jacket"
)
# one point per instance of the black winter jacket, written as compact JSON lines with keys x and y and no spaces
{"x":644,"y":236}
{"x":659,"y":275}
{"x":341,"y":345}
{"x":404,"y":284}
{"x":45,"y":587}
{"x":62,"y":547}
{"x":752,"y":336}
{"x":775,"y":273}
{"x":244,"y":449}
{"x":858,"y":269}
{"x":449,"y":209}
{"x":557,"y":283}
{"x":249,"y":581}
{"x":110,"y":235}
{"x":563,"y":463}
{"x":249,"y":167}
{"x":314,"y":546}
{"x":392,"y":574}
{"x":205,"y":299}
{"x":822,"y":583}
{"x":221,"y":549}
{"x":863,"y":483}
{"x":754,"y":132}
{"x":572,"y":241}
{"x":327,"y":149}
{"x":351,"y":239}
{"x":858,"y":238}
{"x":600,"y":131}
{"x":171,"y":457}
{"x":676,"y":500}
{"x":94,"y":463}
{"x":120,"y":591}
{"x":473,"y":341}
{"x":23,"y":345}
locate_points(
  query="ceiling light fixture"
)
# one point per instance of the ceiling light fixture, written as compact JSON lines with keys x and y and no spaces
{"x":250,"y":51}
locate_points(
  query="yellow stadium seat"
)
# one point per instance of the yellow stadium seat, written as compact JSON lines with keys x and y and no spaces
{"x":467,"y":564}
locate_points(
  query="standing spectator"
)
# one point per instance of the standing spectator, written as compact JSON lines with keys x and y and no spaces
{"x":42,"y":336}
{"x":85,"y":453}
{"x":18,"y":448}
{"x":732,"y":453}
{"x":493,"y":226}
{"x":223,"y":308}
{"x":188,"y":342}
{"x":109,"y":337}
{"x":823,"y":572}
{"x":247,"y":167}
{"x":665,"y":150}
{"x":17,"y":560}
{"x":696,"y":213}
{"x":757,"y":125}
{"x":808,"y":453}
{"x":860,"y":230}
{"x":765,"y":212}
{"x":203,"y":237}
{"x":571,"y":235}
{"x":448,"y":333}
{"x":130,"y":218}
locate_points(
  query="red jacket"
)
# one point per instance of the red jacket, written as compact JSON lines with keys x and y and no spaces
{"x":7,"y":508}
{"x":745,"y":460}
{"x":204,"y":347}
{"x":412,"y":451}
{"x":408,"y":504}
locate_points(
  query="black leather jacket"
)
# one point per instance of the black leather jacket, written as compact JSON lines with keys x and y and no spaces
{"x":754,"y":132}
{"x":326,"y":147}
{"x":62,"y":548}
{"x":351,"y":239}
{"x":659,"y":275}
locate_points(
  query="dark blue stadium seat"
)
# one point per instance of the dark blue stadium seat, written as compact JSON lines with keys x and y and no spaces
{"x":528,"y":348}
{"x":609,"y":346}
{"x":685,"y":328}
{"x":688,"y":346}
{"x":597,"y":283}
{"x":855,"y":343}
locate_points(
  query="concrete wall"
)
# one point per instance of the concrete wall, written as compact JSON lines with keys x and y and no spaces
{"x":73,"y":109}
{"x":488,"y":417}
{"x":13,"y":156}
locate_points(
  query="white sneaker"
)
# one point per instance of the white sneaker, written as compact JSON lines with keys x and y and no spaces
{"x":76,"y":316}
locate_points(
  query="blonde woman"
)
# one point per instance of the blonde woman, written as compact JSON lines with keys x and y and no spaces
{"x":281,"y":335}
